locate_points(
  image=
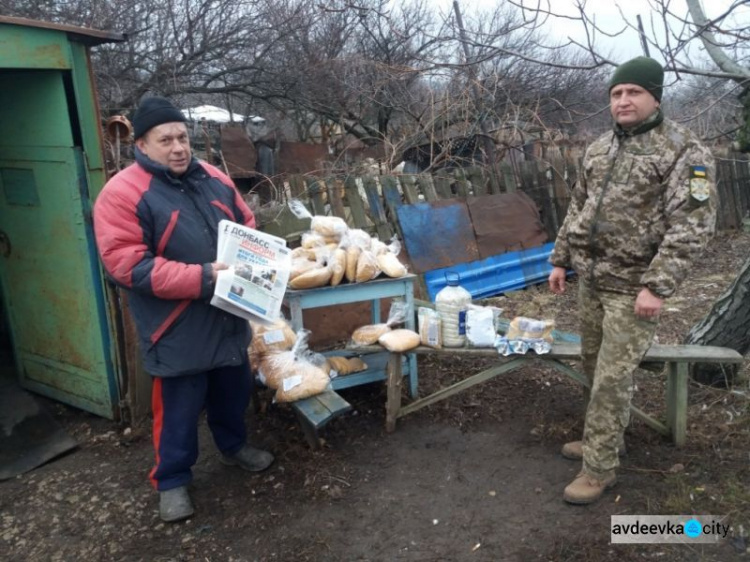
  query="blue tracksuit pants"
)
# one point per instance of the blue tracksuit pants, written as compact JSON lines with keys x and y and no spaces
{"x":177,"y":403}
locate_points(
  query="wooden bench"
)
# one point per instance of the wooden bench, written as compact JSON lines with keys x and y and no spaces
{"x":315,"y":412}
{"x":676,"y":357}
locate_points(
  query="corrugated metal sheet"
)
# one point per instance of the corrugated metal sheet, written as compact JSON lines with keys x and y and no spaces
{"x":497,"y":274}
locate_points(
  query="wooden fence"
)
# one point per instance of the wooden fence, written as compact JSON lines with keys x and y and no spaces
{"x":369,"y":202}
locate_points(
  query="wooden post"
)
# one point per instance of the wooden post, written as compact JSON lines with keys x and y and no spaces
{"x":336,"y":197}
{"x":677,"y":399}
{"x":428,"y":187}
{"x":478,"y":181}
{"x":394,"y":382}
{"x":315,"y":189}
{"x":462,"y":184}
{"x":408,"y":183}
{"x":356,"y":205}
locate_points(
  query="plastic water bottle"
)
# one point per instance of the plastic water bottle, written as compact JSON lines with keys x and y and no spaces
{"x":451,"y":303}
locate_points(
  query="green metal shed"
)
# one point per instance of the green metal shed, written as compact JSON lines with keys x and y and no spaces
{"x":63,"y":339}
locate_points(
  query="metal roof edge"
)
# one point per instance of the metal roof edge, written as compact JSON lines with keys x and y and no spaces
{"x":84,"y":35}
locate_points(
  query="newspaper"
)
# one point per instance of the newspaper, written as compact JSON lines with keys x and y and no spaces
{"x":253,"y":286}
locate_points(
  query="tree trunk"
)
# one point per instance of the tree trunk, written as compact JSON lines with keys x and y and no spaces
{"x":726,"y":325}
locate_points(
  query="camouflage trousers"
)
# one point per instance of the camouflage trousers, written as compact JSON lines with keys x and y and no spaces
{"x":613,"y":342}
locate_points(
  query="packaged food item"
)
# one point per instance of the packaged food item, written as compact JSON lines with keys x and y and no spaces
{"x":367,"y":267}
{"x":399,"y":340}
{"x":389,"y":264}
{"x":300,"y":266}
{"x":480,"y":325}
{"x":316,"y":277}
{"x":338,"y":266}
{"x":332,"y":227}
{"x":352,"y":258}
{"x":529,"y":328}
{"x":430,"y":327}
{"x":369,"y":334}
{"x":452,"y":302}
{"x":295,"y":374}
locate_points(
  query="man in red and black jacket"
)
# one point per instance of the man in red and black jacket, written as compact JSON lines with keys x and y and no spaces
{"x":156,"y":229}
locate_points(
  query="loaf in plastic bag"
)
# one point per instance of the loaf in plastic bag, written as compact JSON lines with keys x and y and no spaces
{"x":367,"y":267}
{"x":268,"y":338}
{"x":295,"y":374}
{"x":399,"y":340}
{"x":369,"y":334}
{"x":332,"y":227}
{"x":338,"y":266}
{"x":390,"y":265}
{"x":313,"y":278}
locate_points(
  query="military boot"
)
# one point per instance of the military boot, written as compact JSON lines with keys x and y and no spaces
{"x":250,"y":459}
{"x":175,"y":505}
{"x":587,"y":489}
{"x":574,"y":450}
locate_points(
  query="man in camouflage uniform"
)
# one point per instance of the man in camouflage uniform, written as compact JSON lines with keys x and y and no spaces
{"x":643,"y":211}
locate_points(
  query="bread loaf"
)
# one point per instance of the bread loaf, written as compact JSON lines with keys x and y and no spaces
{"x":338,"y":266}
{"x":303,"y":381}
{"x":300,"y":266}
{"x":399,"y":340}
{"x":310,"y":279}
{"x":356,"y":365}
{"x":329,"y":226}
{"x":352,"y":258}
{"x":339,"y":364}
{"x":390,"y":265}
{"x":367,"y":267}
{"x":368,"y":335}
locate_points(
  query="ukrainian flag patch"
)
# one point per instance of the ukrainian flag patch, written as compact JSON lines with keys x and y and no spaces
{"x":699,"y":183}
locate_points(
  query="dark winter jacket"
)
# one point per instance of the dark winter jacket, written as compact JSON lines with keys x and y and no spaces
{"x":157,"y":238}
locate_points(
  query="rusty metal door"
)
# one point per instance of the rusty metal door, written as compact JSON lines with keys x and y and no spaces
{"x":49,"y":275}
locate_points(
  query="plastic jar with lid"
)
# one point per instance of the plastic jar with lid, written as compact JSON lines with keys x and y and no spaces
{"x":451,"y":303}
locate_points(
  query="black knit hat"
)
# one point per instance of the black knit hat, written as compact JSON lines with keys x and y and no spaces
{"x":152,"y":112}
{"x":642,"y":71}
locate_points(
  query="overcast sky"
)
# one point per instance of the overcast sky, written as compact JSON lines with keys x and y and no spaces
{"x":608,"y":17}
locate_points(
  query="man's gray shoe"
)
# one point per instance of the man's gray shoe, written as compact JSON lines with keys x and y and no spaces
{"x":175,"y":505}
{"x":250,"y":459}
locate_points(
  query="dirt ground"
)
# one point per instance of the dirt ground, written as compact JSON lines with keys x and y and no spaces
{"x":477,"y":477}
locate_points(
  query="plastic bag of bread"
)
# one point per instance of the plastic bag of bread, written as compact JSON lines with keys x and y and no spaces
{"x":303,"y":253}
{"x":389,"y":264}
{"x":370,"y":333}
{"x":367,"y":267}
{"x":345,"y":365}
{"x":360,"y":238}
{"x":300,"y":266}
{"x":312,"y":240}
{"x":338,"y":266}
{"x":276,"y":336}
{"x":399,"y":340}
{"x":378,"y":247}
{"x":295,"y":374}
{"x":352,"y":259}
{"x":331,"y":227}
{"x":316,"y":277}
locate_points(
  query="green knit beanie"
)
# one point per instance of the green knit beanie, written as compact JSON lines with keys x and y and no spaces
{"x":642,"y":71}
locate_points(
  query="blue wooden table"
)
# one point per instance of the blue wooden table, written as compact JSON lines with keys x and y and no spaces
{"x":372,"y":291}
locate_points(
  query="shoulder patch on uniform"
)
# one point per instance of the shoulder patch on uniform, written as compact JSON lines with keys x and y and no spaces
{"x":699,"y":183}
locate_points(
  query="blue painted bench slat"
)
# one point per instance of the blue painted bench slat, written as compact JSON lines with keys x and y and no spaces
{"x":315,"y":412}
